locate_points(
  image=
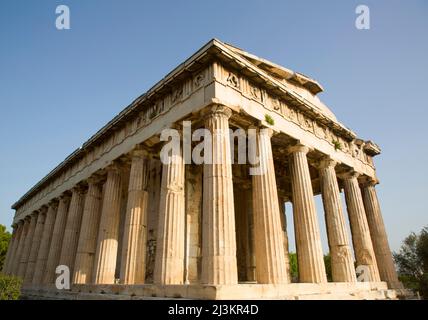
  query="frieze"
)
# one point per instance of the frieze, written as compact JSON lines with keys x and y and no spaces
{"x":198,"y":80}
{"x":276,"y":104}
{"x":296,"y":116}
{"x":256,"y":93}
{"x":177,"y":94}
{"x":233,"y":80}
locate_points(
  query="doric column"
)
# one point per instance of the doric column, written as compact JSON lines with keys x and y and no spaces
{"x":27,"y":245}
{"x":87,"y":244}
{"x":379,"y":238}
{"x":361,"y":240}
{"x":45,"y":242}
{"x":37,"y":238}
{"x":108,"y":232}
{"x":72,"y":228}
{"x":133,"y":265}
{"x":10,"y":250}
{"x":49,"y":256}
{"x":169,"y":263}
{"x":23,"y":226}
{"x":342,"y":264}
{"x":219,"y":264}
{"x":308,"y":241}
{"x":269,"y":238}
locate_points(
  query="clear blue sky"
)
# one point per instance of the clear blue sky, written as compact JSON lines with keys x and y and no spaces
{"x":57,"y":88}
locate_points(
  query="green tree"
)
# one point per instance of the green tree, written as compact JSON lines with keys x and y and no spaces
{"x":294,"y":271}
{"x":4,"y":243}
{"x":10,"y":287}
{"x":412,"y":262}
{"x":327,"y":263}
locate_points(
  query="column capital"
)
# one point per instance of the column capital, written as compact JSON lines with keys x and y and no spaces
{"x":326,"y":162}
{"x":114,"y":166}
{"x":34,"y":214}
{"x":351,"y":174}
{"x":260,"y":127}
{"x":216,"y":110}
{"x":79,"y":188}
{"x":299,"y":147}
{"x":53,"y":204}
{"x":177,"y":127}
{"x":152,"y":155}
{"x":66,"y":196}
{"x":139,"y":152}
{"x":370,"y":182}
{"x":95,"y":179}
{"x":43,"y":209}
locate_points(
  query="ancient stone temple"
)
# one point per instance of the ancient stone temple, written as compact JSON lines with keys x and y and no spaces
{"x":127,"y":225}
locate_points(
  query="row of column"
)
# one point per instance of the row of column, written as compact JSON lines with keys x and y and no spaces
{"x":75,"y":232}
{"x":81,"y":228}
{"x":218,"y":230}
{"x":368,"y":232}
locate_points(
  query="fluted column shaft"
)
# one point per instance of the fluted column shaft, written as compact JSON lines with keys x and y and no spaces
{"x":27,"y":246}
{"x":361,"y":240}
{"x":49,"y":256}
{"x":87,"y":244}
{"x":219,"y":265}
{"x":133,"y":265}
{"x":19,"y":246}
{"x":37,"y":238}
{"x":108,"y":232}
{"x":379,"y":238}
{"x":269,"y":238}
{"x":169,"y":263}
{"x":45,"y":242}
{"x":342,"y":264}
{"x":308,"y":241}
{"x":11,"y":250}
{"x":72,"y":229}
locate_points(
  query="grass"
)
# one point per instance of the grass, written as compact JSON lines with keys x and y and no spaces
{"x":269,"y":119}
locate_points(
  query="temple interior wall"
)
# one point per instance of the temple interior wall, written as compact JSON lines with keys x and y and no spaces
{"x":193,"y":189}
{"x":123,"y":205}
{"x":153,"y":187}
